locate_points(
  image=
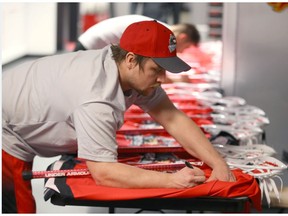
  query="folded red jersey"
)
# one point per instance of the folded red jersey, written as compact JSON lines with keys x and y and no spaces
{"x":85,"y":188}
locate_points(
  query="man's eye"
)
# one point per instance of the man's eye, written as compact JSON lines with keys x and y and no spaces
{"x":157,"y":71}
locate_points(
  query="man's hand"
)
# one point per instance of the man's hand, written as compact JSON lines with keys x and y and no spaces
{"x":187,"y":177}
{"x":222,"y":173}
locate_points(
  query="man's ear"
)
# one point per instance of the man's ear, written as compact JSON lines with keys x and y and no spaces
{"x":130,"y":60}
{"x":182,"y":36}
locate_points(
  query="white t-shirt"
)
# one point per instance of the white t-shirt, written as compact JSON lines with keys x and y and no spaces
{"x":65,"y":104}
{"x":109,"y":31}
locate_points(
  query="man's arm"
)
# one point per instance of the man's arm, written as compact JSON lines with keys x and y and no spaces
{"x":95,"y":128}
{"x":115,"y":174}
{"x":191,"y":137}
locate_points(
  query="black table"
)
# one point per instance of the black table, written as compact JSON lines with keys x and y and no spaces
{"x":215,"y":204}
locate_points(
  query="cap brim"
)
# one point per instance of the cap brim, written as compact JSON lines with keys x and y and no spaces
{"x":172,"y":64}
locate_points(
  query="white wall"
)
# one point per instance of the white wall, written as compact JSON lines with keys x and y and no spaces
{"x":198,"y":13}
{"x":42,"y":17}
{"x":28,"y":29}
{"x":13,"y":39}
{"x":122,"y":8}
{"x":256,"y":64}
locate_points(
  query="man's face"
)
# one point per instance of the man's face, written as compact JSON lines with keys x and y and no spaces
{"x":147,"y":79}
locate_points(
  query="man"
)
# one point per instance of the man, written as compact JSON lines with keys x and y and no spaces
{"x":188,"y":46}
{"x":108,"y":31}
{"x":188,"y":39}
{"x":75,"y":103}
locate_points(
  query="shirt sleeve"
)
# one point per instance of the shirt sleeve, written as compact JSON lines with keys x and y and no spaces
{"x":96,"y":125}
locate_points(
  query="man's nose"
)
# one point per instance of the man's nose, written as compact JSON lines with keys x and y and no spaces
{"x":162,"y":77}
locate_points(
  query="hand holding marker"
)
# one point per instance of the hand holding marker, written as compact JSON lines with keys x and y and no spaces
{"x":188,"y":165}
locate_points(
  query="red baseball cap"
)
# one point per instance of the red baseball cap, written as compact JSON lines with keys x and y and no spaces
{"x":154,"y":40}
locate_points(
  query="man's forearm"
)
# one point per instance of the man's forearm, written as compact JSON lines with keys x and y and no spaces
{"x":192,"y":138}
{"x":125,"y":176}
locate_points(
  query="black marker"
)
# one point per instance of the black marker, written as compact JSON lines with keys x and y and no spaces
{"x":188,"y":165}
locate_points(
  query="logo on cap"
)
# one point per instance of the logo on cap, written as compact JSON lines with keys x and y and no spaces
{"x":172,"y":43}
